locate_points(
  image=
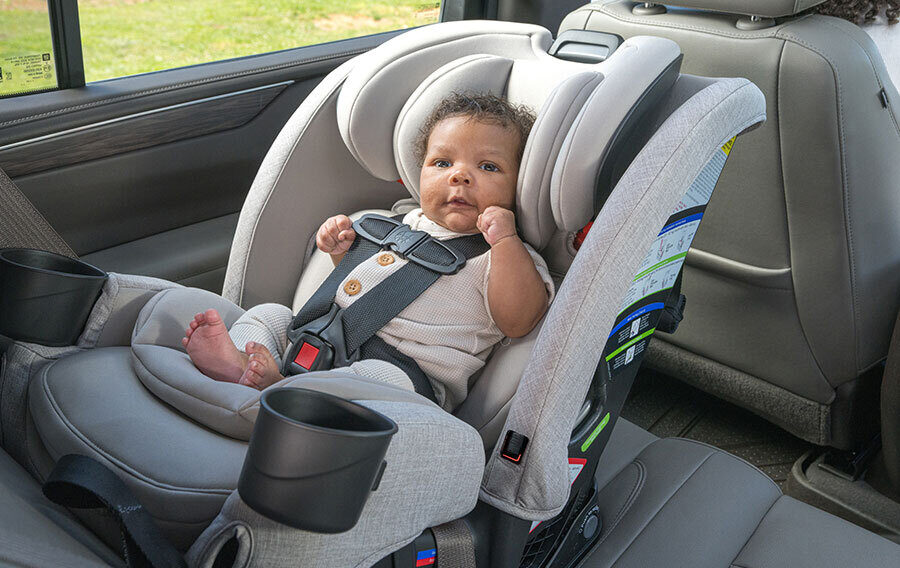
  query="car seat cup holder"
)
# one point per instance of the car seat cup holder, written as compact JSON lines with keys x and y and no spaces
{"x":46,"y":297}
{"x":313,"y":459}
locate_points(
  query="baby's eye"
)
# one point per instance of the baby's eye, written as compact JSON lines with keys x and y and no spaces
{"x":489,"y":167}
{"x":442,"y":163}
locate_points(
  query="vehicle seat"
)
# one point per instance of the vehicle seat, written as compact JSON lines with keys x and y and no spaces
{"x":792,"y":282}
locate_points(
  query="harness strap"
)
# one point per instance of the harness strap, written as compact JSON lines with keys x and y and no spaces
{"x":80,"y":482}
{"x":428,"y":260}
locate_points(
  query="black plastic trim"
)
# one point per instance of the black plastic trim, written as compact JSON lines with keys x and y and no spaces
{"x":66,"y":32}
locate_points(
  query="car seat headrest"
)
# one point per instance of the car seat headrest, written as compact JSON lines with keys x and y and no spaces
{"x":599,"y":144}
{"x":391,"y":91}
{"x":764,"y":8}
{"x":383,"y":79}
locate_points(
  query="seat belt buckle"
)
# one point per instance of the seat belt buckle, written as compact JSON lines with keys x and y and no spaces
{"x":309,"y":353}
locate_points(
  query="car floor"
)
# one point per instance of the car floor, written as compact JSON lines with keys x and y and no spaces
{"x":670,"y":408}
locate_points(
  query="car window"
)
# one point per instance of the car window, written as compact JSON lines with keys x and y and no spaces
{"x":27,"y":62}
{"x":125,"y":37}
{"x":117,"y":38}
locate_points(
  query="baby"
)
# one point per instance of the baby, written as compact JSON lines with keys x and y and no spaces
{"x":470,"y":147}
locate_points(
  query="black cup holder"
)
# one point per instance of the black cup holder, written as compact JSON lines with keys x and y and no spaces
{"x":314,"y":459}
{"x":46,"y":297}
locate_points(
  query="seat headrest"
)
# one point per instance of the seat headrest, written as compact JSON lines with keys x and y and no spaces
{"x":765,"y":8}
{"x":393,"y":88}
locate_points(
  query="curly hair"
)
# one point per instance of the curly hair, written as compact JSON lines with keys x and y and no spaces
{"x":481,"y":107}
{"x":859,"y":11}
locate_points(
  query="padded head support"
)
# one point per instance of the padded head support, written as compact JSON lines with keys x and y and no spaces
{"x":766,"y":8}
{"x":393,"y":89}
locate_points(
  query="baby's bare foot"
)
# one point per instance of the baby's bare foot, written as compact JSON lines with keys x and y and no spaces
{"x":262,"y":369}
{"x":207,"y":342}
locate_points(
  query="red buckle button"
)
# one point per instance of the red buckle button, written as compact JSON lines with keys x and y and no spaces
{"x":307,"y":356}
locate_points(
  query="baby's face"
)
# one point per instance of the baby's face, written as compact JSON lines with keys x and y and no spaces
{"x":469,"y":166}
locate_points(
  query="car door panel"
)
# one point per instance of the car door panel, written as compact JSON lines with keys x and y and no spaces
{"x":147,"y":174}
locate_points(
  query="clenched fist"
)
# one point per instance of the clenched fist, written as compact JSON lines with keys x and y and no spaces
{"x":496,"y":224}
{"x":335,"y":235}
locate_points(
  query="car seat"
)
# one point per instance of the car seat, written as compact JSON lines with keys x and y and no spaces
{"x":796,"y":271}
{"x":127,"y":396}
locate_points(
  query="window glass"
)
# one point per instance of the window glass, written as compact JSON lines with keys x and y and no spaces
{"x":124,"y":37}
{"x":26,"y":47}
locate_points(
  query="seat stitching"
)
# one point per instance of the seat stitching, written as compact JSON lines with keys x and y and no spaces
{"x":732,"y":456}
{"x":845,"y":186}
{"x":890,"y":108}
{"x":755,"y":530}
{"x":632,"y":498}
{"x":662,"y":506}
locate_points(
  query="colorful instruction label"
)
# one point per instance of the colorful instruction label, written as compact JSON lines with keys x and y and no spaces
{"x":27,"y":73}
{"x":659,"y":270}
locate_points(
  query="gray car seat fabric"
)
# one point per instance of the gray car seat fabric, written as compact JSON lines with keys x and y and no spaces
{"x":792,"y":280}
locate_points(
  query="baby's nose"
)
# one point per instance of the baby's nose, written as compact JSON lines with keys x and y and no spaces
{"x":460,"y":177}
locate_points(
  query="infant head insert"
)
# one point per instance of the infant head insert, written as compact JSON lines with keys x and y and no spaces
{"x":178,"y":438}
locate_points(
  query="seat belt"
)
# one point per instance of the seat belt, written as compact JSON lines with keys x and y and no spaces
{"x":80,"y":482}
{"x":23,"y":226}
{"x":324,"y":336}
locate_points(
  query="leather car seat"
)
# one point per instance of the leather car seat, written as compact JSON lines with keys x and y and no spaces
{"x":792,"y":282}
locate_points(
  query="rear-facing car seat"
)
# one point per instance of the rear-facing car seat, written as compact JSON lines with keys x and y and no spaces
{"x":101,"y":398}
{"x":792,"y":281}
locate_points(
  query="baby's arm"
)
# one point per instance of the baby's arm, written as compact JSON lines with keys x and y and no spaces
{"x":516,"y":294}
{"x":335,"y":237}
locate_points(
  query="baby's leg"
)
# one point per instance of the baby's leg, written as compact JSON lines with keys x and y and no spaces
{"x":262,"y":369}
{"x":210,"y":347}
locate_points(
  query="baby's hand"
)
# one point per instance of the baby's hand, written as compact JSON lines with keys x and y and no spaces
{"x":496,"y":223}
{"x":335,"y":235}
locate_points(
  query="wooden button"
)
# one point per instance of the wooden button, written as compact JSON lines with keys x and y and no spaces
{"x":352,"y":287}
{"x":386,"y":259}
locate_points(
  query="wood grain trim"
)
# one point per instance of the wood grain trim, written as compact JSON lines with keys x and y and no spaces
{"x":134,"y":132}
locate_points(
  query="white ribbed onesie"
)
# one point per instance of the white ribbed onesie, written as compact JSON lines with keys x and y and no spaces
{"x":448,"y":330}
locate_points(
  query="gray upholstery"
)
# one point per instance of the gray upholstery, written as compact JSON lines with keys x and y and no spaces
{"x":681,"y":503}
{"x":431,"y":452}
{"x":798,"y":259}
{"x":37,"y":533}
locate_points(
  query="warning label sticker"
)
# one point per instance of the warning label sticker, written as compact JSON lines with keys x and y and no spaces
{"x":26,"y":73}
{"x":659,"y":270}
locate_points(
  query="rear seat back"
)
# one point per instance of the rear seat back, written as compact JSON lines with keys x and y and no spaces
{"x":793,"y":280}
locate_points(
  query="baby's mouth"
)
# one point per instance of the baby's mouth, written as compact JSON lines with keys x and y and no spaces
{"x":460,"y":202}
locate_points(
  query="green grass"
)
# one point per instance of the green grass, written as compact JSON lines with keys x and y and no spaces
{"x":124,"y":37}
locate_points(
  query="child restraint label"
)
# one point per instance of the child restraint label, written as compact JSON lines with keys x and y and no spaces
{"x":658,"y":272}
{"x":26,"y":73}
